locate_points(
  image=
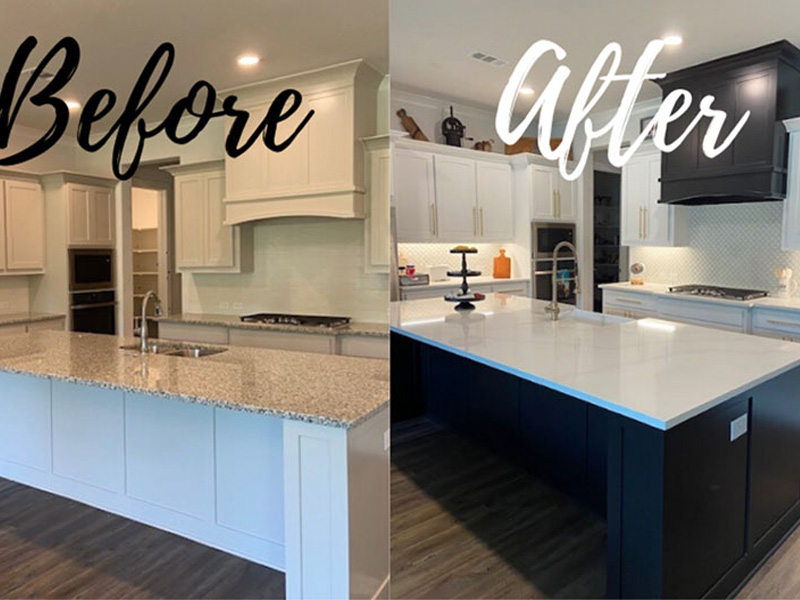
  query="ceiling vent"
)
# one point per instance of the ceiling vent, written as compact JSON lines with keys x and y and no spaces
{"x":488,"y":59}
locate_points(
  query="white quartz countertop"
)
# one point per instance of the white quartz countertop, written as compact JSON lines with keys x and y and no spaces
{"x":658,"y":372}
{"x":661,"y":289}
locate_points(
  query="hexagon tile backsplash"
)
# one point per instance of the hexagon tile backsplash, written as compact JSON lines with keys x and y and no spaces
{"x":729,"y":245}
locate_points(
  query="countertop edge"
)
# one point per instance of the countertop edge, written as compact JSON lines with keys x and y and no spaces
{"x":600,"y":402}
{"x":23,"y":318}
{"x":190,"y":399}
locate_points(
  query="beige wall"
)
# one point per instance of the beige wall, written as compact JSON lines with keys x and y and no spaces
{"x":301,"y":265}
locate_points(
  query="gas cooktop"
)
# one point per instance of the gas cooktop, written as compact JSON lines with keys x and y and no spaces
{"x":296,"y":320}
{"x":717,"y":292}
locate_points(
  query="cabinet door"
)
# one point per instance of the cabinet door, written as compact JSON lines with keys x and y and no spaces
{"x":414,"y":195}
{"x":329,"y":161}
{"x":2,"y":230}
{"x":774,"y":452}
{"x":376,"y":227}
{"x":656,"y":216}
{"x":78,"y":215}
{"x":219,"y":237}
{"x":635,"y":190}
{"x":456,"y":199}
{"x":565,"y":198}
{"x":495,"y":201}
{"x":190,"y":221}
{"x":101,"y":217}
{"x":543,"y":204}
{"x":24,"y":226}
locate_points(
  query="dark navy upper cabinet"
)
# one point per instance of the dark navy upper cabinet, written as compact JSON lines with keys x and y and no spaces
{"x":764,"y":81}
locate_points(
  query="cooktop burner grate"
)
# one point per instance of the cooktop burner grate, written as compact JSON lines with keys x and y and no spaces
{"x":296,"y":320}
{"x":718,"y":292}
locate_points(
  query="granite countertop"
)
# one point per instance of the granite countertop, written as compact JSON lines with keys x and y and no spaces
{"x":353,"y":328}
{"x":661,"y":289}
{"x":654,"y":371}
{"x":28,"y":317}
{"x":338,"y":391}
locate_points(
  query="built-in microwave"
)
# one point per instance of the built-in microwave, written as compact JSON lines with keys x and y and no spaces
{"x":91,"y":269}
{"x":546,"y":236}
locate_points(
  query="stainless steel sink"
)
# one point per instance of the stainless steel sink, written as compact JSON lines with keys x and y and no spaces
{"x":171,"y":349}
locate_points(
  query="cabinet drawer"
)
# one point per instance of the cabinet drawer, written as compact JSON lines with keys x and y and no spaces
{"x":280,"y":340}
{"x":702,"y":313}
{"x":630,"y":300}
{"x":776,"y":321}
{"x":364,"y":346}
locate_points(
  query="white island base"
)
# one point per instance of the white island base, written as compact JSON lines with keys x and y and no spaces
{"x":304,"y":498}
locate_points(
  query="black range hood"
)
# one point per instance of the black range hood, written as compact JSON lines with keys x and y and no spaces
{"x":765,"y":81}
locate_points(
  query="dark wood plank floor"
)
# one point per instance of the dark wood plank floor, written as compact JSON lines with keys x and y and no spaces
{"x":467,"y":524}
{"x":51,"y":547}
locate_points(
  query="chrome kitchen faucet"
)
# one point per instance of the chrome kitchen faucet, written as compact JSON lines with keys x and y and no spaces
{"x":143,"y":327}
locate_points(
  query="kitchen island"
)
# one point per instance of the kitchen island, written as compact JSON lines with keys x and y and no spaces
{"x":685,"y":439}
{"x":275,"y":456}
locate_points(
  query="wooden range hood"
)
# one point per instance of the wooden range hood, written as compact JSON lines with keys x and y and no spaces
{"x":321,"y":174}
{"x":765,"y":81}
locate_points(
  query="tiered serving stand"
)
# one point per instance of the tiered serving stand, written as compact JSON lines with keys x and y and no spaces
{"x":466,"y":297}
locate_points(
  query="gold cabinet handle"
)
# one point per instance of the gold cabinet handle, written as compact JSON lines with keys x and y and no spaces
{"x":646,"y":232}
{"x":482,"y":223}
{"x":640,"y":222}
{"x":780,"y":322}
{"x":433,"y":219}
{"x":555,"y":204}
{"x":474,"y":221}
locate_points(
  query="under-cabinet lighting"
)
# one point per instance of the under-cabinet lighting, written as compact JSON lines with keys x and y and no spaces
{"x":527,"y":91}
{"x":72,"y":104}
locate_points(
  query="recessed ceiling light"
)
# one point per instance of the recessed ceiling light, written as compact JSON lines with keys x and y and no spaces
{"x":72,"y":104}
{"x":672,"y":40}
{"x":248,"y":60}
{"x":527,"y":91}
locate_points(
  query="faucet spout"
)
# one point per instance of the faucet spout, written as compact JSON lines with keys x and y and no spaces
{"x":143,"y":328}
{"x":553,"y":308}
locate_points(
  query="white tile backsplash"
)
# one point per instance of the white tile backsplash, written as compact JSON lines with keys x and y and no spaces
{"x":301,"y":265}
{"x":729,"y":245}
{"x":423,"y":255}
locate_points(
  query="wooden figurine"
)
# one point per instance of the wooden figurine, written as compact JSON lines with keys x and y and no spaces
{"x":411,"y":126}
{"x":484,"y":145}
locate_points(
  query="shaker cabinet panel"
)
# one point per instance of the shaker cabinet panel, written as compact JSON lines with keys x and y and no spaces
{"x":189,"y":221}
{"x":456,"y":199}
{"x":219,"y":237}
{"x":329,"y":164}
{"x":24,"y":227}
{"x":495,"y":201}
{"x":414,"y":195}
{"x":90,"y":216}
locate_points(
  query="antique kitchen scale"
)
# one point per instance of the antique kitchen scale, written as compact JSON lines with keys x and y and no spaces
{"x":453,"y":130}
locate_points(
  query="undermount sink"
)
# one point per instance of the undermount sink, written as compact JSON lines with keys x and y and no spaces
{"x":177,"y":349}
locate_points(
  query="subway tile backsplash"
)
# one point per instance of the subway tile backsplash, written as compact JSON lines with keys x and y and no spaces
{"x":729,"y":245}
{"x":301,"y":265}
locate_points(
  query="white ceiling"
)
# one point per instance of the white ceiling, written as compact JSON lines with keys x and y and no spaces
{"x":430,"y":41}
{"x":118,"y":36}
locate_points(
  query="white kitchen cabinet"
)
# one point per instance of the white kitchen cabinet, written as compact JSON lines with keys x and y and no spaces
{"x":22,"y":228}
{"x":449,"y":198}
{"x":495,"y":201}
{"x":777,"y":323}
{"x":376,"y":224}
{"x":456,"y":199}
{"x":790,"y":238}
{"x":553,"y":198}
{"x":631,"y":305}
{"x":645,"y":222}
{"x":204,"y":243}
{"x":414,"y":195}
{"x":90,"y":216}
